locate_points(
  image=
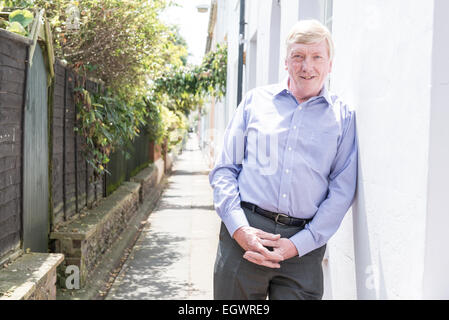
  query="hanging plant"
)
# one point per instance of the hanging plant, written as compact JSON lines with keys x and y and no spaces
{"x":213,"y":71}
{"x":186,"y":87}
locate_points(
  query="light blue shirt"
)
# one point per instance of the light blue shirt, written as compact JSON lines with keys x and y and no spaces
{"x":291,"y":158}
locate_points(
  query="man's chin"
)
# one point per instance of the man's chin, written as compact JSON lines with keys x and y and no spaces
{"x":309,"y":93}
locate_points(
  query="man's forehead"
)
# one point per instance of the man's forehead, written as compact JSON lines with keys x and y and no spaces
{"x":318,"y":46}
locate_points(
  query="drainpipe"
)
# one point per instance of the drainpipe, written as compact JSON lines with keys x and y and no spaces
{"x":241,"y":47}
{"x":211,"y":26}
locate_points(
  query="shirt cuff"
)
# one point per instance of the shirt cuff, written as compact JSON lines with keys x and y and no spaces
{"x":234,"y":220}
{"x":304,"y":242}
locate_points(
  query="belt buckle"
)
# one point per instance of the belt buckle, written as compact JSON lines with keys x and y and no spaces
{"x":280,"y":215}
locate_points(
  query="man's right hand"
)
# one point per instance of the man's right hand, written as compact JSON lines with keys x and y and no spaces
{"x":254,"y":241}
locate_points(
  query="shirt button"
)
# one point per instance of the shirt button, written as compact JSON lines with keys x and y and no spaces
{"x":289,"y":148}
{"x":284,"y":195}
{"x":287,"y":171}
{"x":300,"y":108}
{"x":294,"y":127}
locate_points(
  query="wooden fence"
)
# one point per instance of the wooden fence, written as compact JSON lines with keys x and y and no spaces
{"x":72,"y":178}
{"x":71,"y":185}
{"x":13,"y":53}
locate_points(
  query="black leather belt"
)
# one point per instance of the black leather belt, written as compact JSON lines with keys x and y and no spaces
{"x":279,"y":218}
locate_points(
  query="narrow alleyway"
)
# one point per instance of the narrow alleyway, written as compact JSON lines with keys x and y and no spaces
{"x":174,"y":256}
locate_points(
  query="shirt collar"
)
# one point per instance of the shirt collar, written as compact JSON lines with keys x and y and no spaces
{"x":326,"y":95}
{"x":283,"y":87}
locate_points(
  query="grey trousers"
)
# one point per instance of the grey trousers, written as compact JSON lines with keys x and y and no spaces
{"x":235,"y":278}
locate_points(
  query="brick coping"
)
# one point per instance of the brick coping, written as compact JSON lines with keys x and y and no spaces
{"x":24,"y":275}
{"x":87,"y":224}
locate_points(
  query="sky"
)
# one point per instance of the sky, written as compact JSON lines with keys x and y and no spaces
{"x":193,"y":26}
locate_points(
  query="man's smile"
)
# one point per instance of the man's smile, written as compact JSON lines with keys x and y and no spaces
{"x":307,"y":77}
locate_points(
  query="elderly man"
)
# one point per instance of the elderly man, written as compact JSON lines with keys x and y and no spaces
{"x":285,"y":177}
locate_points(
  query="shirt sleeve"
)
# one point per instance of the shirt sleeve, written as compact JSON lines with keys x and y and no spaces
{"x":224,"y":176}
{"x":342,"y":185}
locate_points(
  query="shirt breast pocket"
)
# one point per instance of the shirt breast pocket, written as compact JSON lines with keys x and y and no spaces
{"x":318,"y":148}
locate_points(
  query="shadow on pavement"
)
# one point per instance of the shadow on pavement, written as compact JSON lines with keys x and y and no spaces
{"x":147,"y":277}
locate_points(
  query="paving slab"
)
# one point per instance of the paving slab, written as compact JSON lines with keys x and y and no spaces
{"x":174,"y":255}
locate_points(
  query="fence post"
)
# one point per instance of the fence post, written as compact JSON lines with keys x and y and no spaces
{"x":76,"y":155}
{"x":64,"y":120}
{"x":87,"y":177}
{"x":164,"y":154}
{"x":151,"y":151}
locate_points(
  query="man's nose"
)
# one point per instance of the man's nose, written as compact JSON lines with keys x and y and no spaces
{"x":307,"y":65}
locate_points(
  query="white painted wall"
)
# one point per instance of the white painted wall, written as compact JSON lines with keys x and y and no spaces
{"x":383,"y":68}
{"x":391,"y":65}
{"x":268,"y":22}
{"x":436,"y":279}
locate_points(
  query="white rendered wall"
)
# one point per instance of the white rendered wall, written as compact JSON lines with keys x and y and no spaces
{"x":225,"y":31}
{"x":383,"y":68}
{"x":289,"y":16}
{"x":436,"y":279}
{"x":291,"y":12}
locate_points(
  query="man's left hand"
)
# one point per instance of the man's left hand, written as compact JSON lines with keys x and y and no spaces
{"x":283,"y":246}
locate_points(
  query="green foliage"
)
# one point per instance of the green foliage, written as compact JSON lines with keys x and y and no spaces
{"x":122,"y":43}
{"x":141,"y":61}
{"x":164,"y":124}
{"x":24,"y":17}
{"x":16,"y":27}
{"x":213,"y":71}
{"x":155,"y":126}
{"x":17,"y":3}
{"x":18,"y":21}
{"x":184,"y":88}
{"x":106,"y":121}
{"x":174,"y":123}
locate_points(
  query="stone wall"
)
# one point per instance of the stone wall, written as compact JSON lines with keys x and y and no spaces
{"x":149,"y":178}
{"x":31,"y":276}
{"x":86,"y":239}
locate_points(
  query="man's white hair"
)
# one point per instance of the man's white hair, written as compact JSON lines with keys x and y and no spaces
{"x":310,"y":32}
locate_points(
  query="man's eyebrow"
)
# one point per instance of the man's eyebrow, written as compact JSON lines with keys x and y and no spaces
{"x":295,"y":51}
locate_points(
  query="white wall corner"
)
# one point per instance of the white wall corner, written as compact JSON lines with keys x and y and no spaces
{"x":436,"y":266}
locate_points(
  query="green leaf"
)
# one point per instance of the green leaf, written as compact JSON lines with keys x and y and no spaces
{"x":16,"y":28}
{"x":24,"y":17}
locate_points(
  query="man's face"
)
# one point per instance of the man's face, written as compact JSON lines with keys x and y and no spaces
{"x":308,"y":66}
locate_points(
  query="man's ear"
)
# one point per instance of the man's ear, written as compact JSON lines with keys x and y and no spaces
{"x":330,"y":67}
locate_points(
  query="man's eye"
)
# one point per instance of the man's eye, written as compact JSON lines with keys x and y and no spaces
{"x":317,"y":57}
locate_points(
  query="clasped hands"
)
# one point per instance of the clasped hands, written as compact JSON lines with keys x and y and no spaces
{"x":255,"y":242}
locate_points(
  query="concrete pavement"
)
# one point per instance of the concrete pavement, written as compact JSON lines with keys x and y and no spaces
{"x":174,"y":255}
